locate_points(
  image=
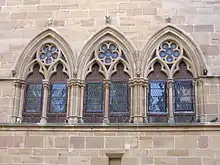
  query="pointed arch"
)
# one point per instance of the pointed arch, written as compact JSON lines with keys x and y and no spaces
{"x":29,"y":52}
{"x":171,"y":32}
{"x":108,"y":33}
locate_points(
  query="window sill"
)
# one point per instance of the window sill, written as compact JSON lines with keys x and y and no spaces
{"x":165,"y":127}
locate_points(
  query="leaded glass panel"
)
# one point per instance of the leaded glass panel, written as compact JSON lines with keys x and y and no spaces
{"x":157,"y":101}
{"x":94,"y":98}
{"x":184,"y":96}
{"x":58,"y":98}
{"x":33,"y":98}
{"x":118,"y":97}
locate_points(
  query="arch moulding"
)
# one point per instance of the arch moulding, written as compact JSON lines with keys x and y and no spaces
{"x":192,"y":49}
{"x":51,"y":35}
{"x":108,"y":33}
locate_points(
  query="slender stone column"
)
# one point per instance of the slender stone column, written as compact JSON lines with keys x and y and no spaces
{"x":106,"y":103}
{"x":46,"y":88}
{"x":81,"y":101}
{"x":139,"y":90}
{"x":21,"y":105}
{"x":132,"y":102}
{"x":68,"y":100}
{"x":170,"y":101}
{"x":199,"y":99}
{"x":16,"y":102}
{"x":74,"y":111}
{"x":145,"y":100}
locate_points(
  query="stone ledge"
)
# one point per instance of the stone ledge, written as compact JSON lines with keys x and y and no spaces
{"x":112,"y":127}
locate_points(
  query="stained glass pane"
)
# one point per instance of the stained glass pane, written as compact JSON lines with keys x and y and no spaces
{"x":119,"y":97}
{"x":94,"y":97}
{"x":157,"y":102}
{"x":184,"y":95}
{"x":33,"y":98}
{"x":58,"y":97}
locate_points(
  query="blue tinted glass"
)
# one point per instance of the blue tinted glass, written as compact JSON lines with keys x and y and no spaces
{"x":157,"y":97}
{"x":184,"y":96}
{"x":162,"y":54}
{"x":115,"y":55}
{"x":169,"y":58}
{"x":104,"y":47}
{"x":58,"y":97}
{"x":173,"y":46}
{"x":33,"y":98}
{"x":101,"y":55}
{"x":176,"y":53}
{"x":112,"y":47}
{"x":165,"y":46}
{"x":107,"y":60}
{"x":94,"y":97}
{"x":169,"y":52}
{"x":119,"y":97}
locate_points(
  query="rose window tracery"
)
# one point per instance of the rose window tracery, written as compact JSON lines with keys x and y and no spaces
{"x":48,"y":53}
{"x":108,"y":53}
{"x":169,"y":51}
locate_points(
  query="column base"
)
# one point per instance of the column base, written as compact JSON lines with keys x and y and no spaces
{"x":106,"y":120}
{"x":73,"y":120}
{"x":138,"y":119}
{"x":171,"y":120}
{"x":43,"y":120}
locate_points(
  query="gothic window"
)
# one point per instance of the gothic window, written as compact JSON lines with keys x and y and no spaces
{"x":184,"y":95}
{"x":33,"y":96}
{"x":107,"y":93}
{"x":170,"y":99}
{"x":46,"y":90}
{"x":119,"y":96}
{"x":157,"y":95}
{"x":58,"y":96}
{"x":94,"y":95}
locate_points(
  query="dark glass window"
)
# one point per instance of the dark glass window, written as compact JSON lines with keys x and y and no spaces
{"x":119,"y":97}
{"x":33,"y":98}
{"x":58,"y":97}
{"x":183,"y":95}
{"x":94,"y":98}
{"x":157,"y":98}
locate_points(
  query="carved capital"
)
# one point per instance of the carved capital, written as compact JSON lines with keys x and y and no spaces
{"x":17,"y":83}
{"x":74,"y":82}
{"x":138,"y":81}
{"x":170,"y":83}
{"x":23,"y":84}
{"x":46,"y":83}
{"x":199,"y":81}
{"x":107,"y":83}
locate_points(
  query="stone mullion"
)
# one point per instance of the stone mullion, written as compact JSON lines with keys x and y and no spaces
{"x":68,"y":100}
{"x":46,"y":88}
{"x":145,"y":101}
{"x":73,"y":118}
{"x":17,"y":91}
{"x":77,"y":99}
{"x":170,"y":101}
{"x":139,"y":97}
{"x":106,"y":102}
{"x":131,"y":101}
{"x":22,"y":91}
{"x":82,"y":88}
{"x":199,"y":98}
